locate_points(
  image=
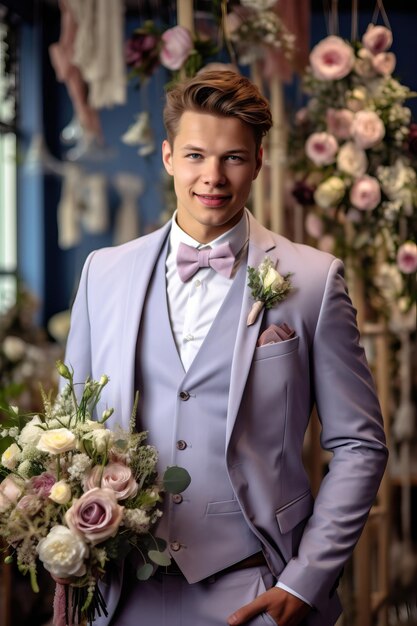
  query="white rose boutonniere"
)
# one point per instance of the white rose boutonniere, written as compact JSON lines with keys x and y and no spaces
{"x":268,"y":288}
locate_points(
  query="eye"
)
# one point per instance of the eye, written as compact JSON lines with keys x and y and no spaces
{"x":234,"y":158}
{"x":194,"y":156}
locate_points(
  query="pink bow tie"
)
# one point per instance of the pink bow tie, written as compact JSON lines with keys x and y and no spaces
{"x":189,"y":260}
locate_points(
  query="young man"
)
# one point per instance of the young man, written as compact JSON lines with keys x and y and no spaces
{"x":168,"y":315}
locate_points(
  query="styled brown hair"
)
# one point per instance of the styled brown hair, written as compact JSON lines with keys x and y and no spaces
{"x":223,"y":93}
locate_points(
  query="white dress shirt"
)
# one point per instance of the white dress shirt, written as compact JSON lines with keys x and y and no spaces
{"x":194,"y":304}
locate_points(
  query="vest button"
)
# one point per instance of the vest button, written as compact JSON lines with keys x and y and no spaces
{"x":184,"y":395}
{"x":177,"y":498}
{"x":175,"y":546}
{"x":181,"y":444}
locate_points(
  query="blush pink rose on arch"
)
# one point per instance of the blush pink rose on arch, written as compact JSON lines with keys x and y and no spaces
{"x":407,"y":257}
{"x":384,"y":63}
{"x":377,"y":39}
{"x":365,"y":193}
{"x":321,"y":148}
{"x":331,"y":59}
{"x":115,"y":476}
{"x":339,"y":122}
{"x":96,"y":515}
{"x":367,"y":129}
{"x":177,"y":44}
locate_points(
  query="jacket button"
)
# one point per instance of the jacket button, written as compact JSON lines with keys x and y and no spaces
{"x":181,"y":444}
{"x":184,"y":395}
{"x":175,"y":546}
{"x":177,"y":498}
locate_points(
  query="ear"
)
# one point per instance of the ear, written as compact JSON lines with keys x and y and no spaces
{"x":259,"y":159}
{"x":167,"y":156}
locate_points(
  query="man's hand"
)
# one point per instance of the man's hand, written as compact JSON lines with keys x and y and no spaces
{"x":283,"y":607}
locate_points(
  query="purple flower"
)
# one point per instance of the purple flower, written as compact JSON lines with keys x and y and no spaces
{"x":303,"y":193}
{"x":412,"y":139}
{"x":43,"y":484}
{"x":141,"y":52}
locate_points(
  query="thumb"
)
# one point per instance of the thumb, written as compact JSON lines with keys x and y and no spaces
{"x":246,"y":612}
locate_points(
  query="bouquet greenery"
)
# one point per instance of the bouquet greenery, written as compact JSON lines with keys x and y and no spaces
{"x":78,"y":497}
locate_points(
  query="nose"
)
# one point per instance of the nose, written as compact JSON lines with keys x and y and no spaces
{"x":213,"y":173}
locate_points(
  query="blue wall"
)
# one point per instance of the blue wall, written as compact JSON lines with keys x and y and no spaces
{"x":53,"y":273}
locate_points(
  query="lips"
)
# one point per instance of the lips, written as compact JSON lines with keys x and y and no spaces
{"x":212,"y":200}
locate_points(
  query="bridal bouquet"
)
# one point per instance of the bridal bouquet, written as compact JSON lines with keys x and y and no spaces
{"x":78,"y":497}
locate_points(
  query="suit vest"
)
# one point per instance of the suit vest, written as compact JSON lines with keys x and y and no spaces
{"x":185,"y":414}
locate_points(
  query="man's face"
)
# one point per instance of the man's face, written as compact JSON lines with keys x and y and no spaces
{"x":213,"y":161}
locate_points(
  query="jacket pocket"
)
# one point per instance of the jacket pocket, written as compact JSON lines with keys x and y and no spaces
{"x":270,"y":350}
{"x":224,"y":506}
{"x":294,"y":512}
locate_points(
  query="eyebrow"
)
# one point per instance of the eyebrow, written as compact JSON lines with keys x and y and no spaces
{"x":199,"y":149}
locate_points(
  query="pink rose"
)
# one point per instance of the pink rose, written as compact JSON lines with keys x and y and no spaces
{"x":367,"y":129}
{"x":177,"y":45}
{"x":30,"y":504}
{"x":43,"y":484}
{"x":363,"y":64}
{"x":384,"y":63}
{"x":321,"y":148}
{"x":339,"y":122}
{"x":331,"y":59}
{"x":96,"y":515}
{"x":10,"y":492}
{"x":365,"y":193}
{"x":377,"y":38}
{"x":115,"y":476}
{"x":326,"y":244}
{"x":407,"y":257}
{"x":314,"y":225}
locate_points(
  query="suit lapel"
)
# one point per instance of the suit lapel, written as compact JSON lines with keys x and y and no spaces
{"x":138,"y":281}
{"x":260,"y":244}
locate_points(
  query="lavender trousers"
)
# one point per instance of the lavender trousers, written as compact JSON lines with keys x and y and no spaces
{"x":169,"y":600}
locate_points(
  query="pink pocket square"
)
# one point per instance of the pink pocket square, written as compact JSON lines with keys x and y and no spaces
{"x":274,"y":334}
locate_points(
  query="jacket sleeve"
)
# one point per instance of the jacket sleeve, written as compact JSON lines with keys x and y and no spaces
{"x":352,"y":430}
{"x":78,"y":348}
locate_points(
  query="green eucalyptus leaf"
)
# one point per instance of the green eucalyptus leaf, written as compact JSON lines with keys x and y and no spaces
{"x":176,"y":479}
{"x":160,"y":558}
{"x":144,"y":572}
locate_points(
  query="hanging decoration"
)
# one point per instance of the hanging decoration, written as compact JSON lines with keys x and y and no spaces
{"x":354,"y":161}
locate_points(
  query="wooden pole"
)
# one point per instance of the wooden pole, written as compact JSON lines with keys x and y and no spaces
{"x":258,"y":187}
{"x":185,"y":14}
{"x":277,"y":153}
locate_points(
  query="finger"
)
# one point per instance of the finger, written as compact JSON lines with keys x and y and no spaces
{"x":246,"y":612}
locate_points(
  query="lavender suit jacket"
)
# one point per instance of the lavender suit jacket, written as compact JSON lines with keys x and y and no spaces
{"x":272,"y":391}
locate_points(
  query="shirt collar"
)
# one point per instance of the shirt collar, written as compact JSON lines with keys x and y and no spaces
{"x":237,"y":236}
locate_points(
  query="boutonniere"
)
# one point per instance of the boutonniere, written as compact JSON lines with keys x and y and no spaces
{"x":267,"y":286}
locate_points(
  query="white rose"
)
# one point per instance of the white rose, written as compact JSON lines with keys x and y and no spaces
{"x":62,"y":553}
{"x":56,"y":441}
{"x":11,"y":456}
{"x":352,"y":160}
{"x":272,"y":279}
{"x":31,"y":433}
{"x":60,"y":492}
{"x":14,"y":348}
{"x":330,"y":192}
{"x":101,"y":440}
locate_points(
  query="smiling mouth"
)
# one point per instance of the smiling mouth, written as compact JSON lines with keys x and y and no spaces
{"x":212,"y":199}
